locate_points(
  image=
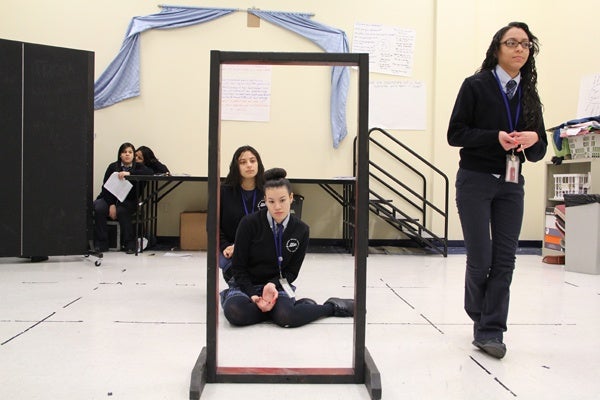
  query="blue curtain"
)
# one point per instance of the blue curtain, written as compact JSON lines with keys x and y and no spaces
{"x":331,"y":40}
{"x":121,"y":79}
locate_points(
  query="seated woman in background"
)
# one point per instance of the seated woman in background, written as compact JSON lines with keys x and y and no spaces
{"x":241,"y":194}
{"x":107,"y":205}
{"x":270,"y":246}
{"x":145,"y":155}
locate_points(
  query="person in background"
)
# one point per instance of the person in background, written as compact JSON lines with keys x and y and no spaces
{"x":241,"y":194}
{"x":145,"y":155}
{"x":497,"y":121}
{"x":270,"y":246}
{"x":107,"y":205}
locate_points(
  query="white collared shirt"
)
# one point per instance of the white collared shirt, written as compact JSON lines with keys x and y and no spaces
{"x":284,"y":222}
{"x":504,"y":77}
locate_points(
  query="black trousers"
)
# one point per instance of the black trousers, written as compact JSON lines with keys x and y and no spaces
{"x":491,"y":214}
{"x":125,"y":211}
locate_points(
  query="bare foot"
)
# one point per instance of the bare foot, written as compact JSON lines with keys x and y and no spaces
{"x":270,"y":293}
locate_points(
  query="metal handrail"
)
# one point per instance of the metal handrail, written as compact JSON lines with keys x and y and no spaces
{"x":386,"y":179}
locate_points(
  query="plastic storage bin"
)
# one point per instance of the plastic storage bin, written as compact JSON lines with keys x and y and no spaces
{"x":570,"y":184}
{"x":585,"y":146}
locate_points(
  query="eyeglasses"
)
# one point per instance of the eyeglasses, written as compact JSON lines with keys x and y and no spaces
{"x":512,"y":43}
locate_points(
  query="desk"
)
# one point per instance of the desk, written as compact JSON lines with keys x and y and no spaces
{"x":159,"y":186}
{"x":345,"y":198}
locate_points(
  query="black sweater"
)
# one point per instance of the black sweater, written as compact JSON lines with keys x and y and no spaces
{"x":255,"y":258}
{"x":232,"y":211}
{"x":136,"y":169}
{"x":157,"y":167}
{"x":478,"y":116}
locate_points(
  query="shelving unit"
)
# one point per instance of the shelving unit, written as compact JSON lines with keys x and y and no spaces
{"x":577,"y":166}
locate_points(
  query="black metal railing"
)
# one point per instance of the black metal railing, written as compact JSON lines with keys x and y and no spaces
{"x":398,"y":193}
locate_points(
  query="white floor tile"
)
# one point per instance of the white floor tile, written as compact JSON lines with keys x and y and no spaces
{"x":134,"y":327}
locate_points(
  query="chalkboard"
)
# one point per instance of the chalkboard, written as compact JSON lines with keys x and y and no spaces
{"x":55,"y":149}
{"x":10,"y":146}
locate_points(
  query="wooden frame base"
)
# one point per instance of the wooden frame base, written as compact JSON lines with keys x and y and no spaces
{"x":372,"y":378}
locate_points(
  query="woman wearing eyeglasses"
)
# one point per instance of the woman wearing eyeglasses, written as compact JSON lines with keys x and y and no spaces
{"x":497,"y":121}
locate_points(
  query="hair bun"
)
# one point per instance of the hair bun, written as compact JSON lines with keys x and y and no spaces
{"x":274,"y":174}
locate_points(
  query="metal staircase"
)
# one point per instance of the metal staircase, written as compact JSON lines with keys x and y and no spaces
{"x":399,"y":180}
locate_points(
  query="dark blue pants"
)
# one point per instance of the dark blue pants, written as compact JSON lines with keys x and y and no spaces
{"x":491,"y":214}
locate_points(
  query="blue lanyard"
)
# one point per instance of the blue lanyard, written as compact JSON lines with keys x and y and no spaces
{"x":251,"y":205}
{"x":278,"y":238}
{"x":512,"y":124}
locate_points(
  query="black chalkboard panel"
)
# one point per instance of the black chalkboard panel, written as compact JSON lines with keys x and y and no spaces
{"x":10,"y":146}
{"x":54,"y":146}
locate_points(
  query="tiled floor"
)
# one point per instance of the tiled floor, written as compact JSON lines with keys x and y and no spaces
{"x":133,"y":328}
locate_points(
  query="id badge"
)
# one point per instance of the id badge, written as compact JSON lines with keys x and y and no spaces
{"x":512,"y":169}
{"x":288,"y":289}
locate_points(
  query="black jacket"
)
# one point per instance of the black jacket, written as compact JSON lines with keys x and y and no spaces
{"x":478,"y":116}
{"x":255,"y":257}
{"x":136,"y":169}
{"x":232,"y":211}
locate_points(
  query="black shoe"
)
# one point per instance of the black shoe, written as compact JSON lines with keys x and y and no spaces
{"x":494,"y":347}
{"x":38,"y":258}
{"x":341,"y":307}
{"x":130,"y":247}
{"x":305,"y":300}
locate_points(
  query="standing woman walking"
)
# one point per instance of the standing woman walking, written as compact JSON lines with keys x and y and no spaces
{"x":497,"y":121}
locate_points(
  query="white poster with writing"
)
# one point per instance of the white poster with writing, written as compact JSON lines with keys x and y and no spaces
{"x":245,"y":92}
{"x":589,"y":97}
{"x":391,"y":48}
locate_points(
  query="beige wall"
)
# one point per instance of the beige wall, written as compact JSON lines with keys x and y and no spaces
{"x":171,"y":115}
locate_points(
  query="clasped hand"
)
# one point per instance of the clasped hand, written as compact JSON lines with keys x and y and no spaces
{"x":517,"y":140}
{"x":267,"y":301}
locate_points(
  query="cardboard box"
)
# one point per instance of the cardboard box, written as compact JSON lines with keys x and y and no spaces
{"x":192,"y":230}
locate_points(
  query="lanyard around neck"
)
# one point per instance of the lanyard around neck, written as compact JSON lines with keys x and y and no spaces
{"x":512,"y":124}
{"x":246,"y":211}
{"x":278,"y":238}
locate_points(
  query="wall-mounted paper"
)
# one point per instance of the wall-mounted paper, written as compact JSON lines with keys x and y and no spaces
{"x":589,"y":96}
{"x":397,"y":105}
{"x":391,"y":48}
{"x":245,"y":92}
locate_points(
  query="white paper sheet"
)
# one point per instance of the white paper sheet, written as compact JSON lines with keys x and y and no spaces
{"x":589,"y":96}
{"x":119,"y":187}
{"x":391,"y":48}
{"x":397,"y":105}
{"x":246,"y":92}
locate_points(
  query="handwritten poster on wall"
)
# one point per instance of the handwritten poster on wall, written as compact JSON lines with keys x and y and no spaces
{"x":391,"y":48}
{"x":245,"y":92}
{"x":589,"y":97}
{"x":397,"y":105}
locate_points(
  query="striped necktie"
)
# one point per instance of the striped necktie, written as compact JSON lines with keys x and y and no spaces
{"x":511,"y":86}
